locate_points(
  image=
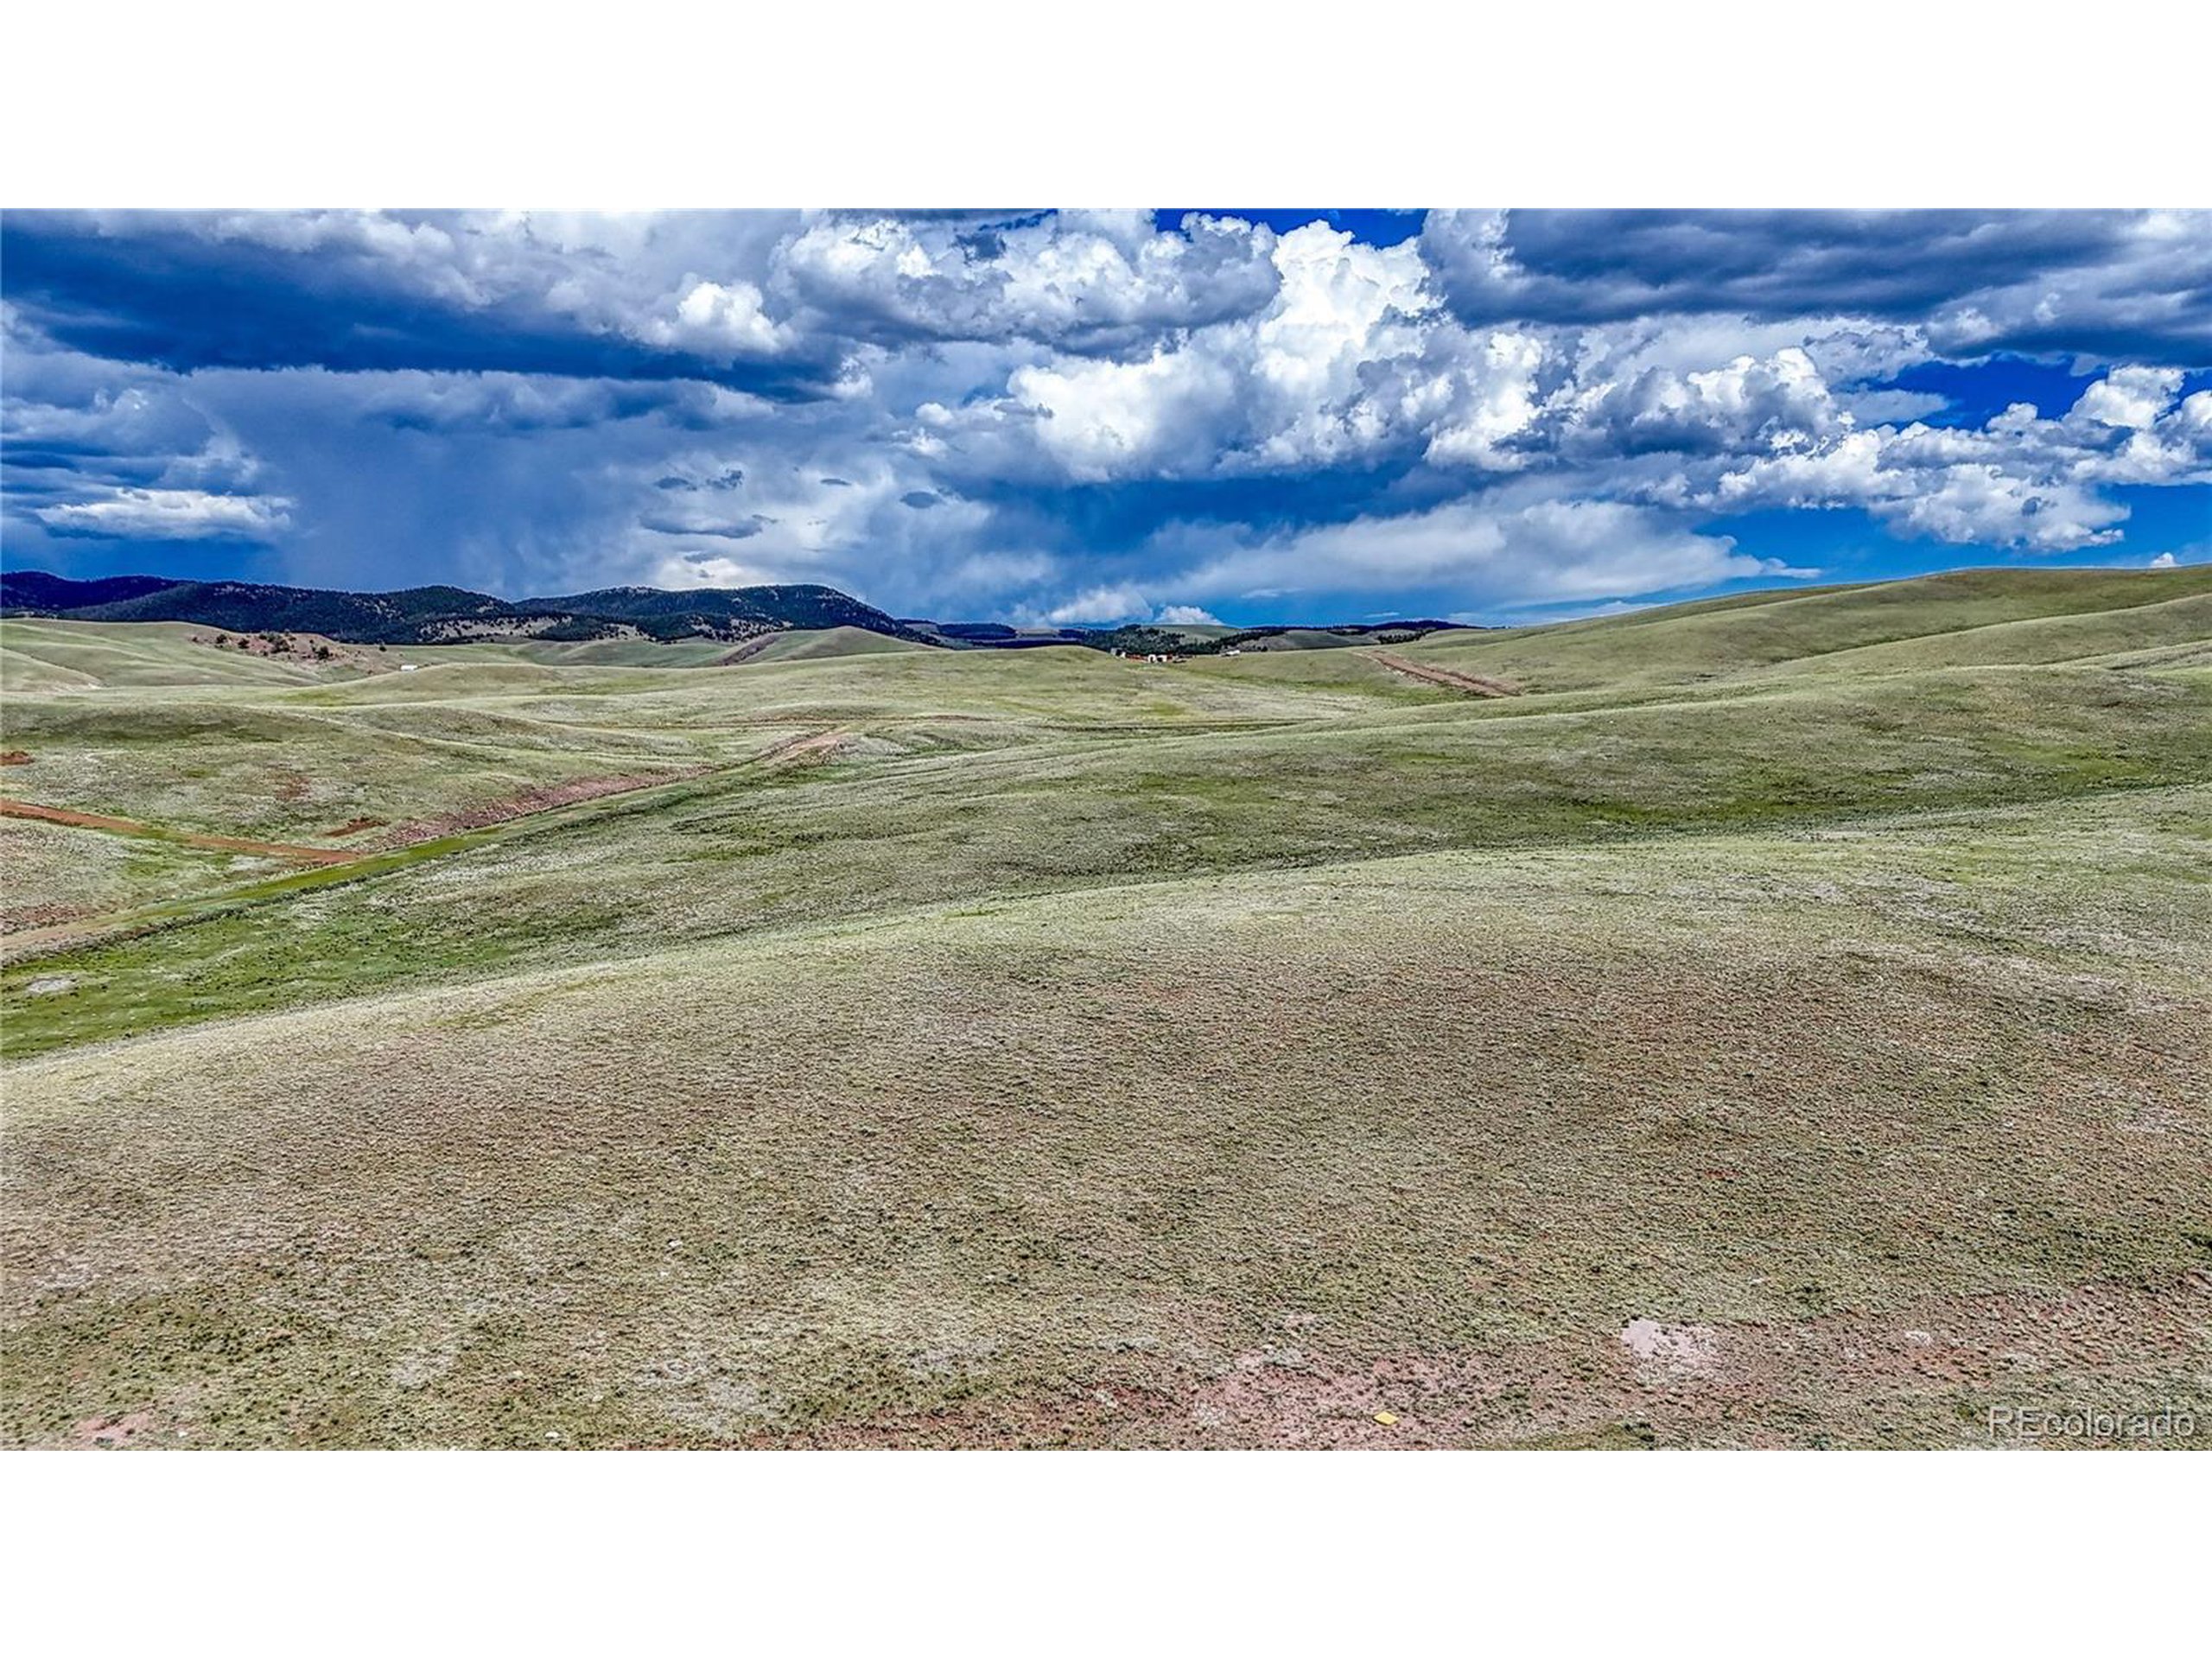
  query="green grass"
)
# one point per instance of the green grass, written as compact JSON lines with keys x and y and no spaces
{"x":1385,"y":1134}
{"x":1086,"y":1053}
{"x":1305,"y":640}
{"x":819,"y":644}
{"x":38,"y":656}
{"x":52,"y":873}
{"x":883,"y":831}
{"x":1753,"y":633}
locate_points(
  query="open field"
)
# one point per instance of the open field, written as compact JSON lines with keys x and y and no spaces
{"x":1778,"y":1020}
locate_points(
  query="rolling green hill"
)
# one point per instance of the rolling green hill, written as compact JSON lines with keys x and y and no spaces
{"x":1782,"y":1020}
{"x":1748,"y":633}
{"x":40,"y":656}
{"x":817,"y":643}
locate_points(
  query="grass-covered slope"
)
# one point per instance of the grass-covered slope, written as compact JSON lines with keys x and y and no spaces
{"x":1752,"y":633}
{"x":38,"y":657}
{"x":1876,"y":1131}
{"x":1783,"y":1022}
{"x":815,"y":644}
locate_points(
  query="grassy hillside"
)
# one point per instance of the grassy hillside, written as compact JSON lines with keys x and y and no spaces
{"x":994,"y":1047}
{"x":582,"y":653}
{"x":814,"y":644}
{"x":1305,"y":640}
{"x":1231,"y":1162}
{"x":38,"y":657}
{"x":1752,"y":633}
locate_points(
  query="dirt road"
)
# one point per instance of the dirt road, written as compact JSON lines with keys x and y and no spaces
{"x":1451,"y":678}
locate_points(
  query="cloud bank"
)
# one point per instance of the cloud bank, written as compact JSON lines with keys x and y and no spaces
{"x":1087,"y":417}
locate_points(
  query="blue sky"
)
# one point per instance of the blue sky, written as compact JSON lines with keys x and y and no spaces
{"x":1250,"y":415}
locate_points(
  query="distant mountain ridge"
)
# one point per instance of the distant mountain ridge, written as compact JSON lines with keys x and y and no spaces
{"x":438,"y":615}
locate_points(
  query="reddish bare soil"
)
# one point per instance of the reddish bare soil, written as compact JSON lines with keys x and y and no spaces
{"x":1451,"y":678}
{"x":354,"y":826}
{"x":114,"y":1431}
{"x":21,"y":918}
{"x":16,"y":758}
{"x":15,"y":808}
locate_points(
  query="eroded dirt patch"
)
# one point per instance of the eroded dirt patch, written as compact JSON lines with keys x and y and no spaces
{"x":543,"y":798}
{"x":111,"y":1432}
{"x":1669,"y":1350}
{"x":812,"y":751}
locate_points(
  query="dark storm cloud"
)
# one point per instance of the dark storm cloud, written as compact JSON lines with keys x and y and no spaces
{"x":2122,"y":284}
{"x":146,"y":288}
{"x":417,"y":401}
{"x":742,"y":529}
{"x":1597,"y":266}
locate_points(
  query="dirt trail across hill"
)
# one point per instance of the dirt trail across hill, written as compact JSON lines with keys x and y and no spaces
{"x":15,"y":808}
{"x":813,"y":750}
{"x":528,"y":802}
{"x":1451,"y":678}
{"x":744,"y":652}
{"x":551,"y":804}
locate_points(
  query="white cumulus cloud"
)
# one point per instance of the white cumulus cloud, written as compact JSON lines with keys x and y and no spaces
{"x":171,"y":515}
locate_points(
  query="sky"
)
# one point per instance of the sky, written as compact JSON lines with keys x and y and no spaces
{"x":1085,"y":418}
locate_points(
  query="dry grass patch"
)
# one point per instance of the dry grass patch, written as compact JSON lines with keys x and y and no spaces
{"x":1253,"y":1159}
